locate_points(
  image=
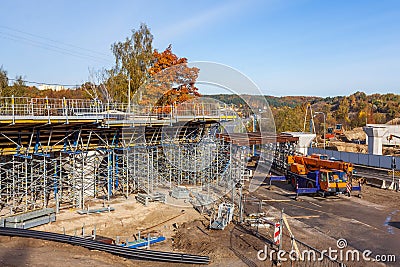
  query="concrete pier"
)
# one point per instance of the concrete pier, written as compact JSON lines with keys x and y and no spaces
{"x":375,"y":137}
{"x":304,"y":142}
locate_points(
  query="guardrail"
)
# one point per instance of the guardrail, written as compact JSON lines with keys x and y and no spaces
{"x":23,"y":106}
{"x":117,"y":250}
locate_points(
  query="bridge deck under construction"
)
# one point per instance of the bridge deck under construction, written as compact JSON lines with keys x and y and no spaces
{"x":57,"y":153}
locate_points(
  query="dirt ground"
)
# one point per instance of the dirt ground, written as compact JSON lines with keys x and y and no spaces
{"x":387,"y":198}
{"x":186,"y":231}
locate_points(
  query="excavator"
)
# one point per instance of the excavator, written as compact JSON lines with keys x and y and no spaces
{"x":316,"y":174}
{"x":390,"y":137}
{"x":337,"y":132}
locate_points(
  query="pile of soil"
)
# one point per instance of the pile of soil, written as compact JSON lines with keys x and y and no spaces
{"x":233,"y":246}
{"x":355,"y":134}
{"x":194,"y":237}
{"x":347,"y":147}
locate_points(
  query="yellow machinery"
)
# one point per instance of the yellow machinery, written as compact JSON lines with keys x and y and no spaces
{"x":317,"y":174}
{"x":304,"y":164}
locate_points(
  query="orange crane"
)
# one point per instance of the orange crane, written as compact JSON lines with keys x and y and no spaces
{"x":304,"y":164}
{"x":317,"y":174}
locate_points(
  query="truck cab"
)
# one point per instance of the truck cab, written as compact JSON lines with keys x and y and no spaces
{"x":336,"y":182}
{"x":323,"y":181}
{"x":338,"y":129}
{"x":330,"y":134}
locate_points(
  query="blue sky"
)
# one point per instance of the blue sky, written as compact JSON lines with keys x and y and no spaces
{"x":298,"y":47}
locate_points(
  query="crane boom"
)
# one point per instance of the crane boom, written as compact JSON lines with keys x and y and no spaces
{"x":390,"y":138}
{"x":305,"y":164}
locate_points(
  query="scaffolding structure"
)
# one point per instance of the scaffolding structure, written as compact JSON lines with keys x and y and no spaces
{"x":60,"y":153}
{"x":68,"y":177}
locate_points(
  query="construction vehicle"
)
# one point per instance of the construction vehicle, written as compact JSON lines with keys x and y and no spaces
{"x":317,"y":162}
{"x":390,"y":137}
{"x":338,"y":130}
{"x":331,"y":132}
{"x":323,"y":182}
{"x":316,"y":174}
{"x":320,"y":156}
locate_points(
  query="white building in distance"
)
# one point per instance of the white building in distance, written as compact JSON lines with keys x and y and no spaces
{"x":51,"y":87}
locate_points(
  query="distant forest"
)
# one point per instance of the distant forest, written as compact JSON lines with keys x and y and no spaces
{"x":352,"y":111}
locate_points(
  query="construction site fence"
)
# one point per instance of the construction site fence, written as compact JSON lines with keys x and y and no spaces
{"x":24,"y":106}
{"x":377,"y":161}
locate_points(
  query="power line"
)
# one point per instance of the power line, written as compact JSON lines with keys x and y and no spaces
{"x":43,"y":83}
{"x":52,"y":47}
{"x":54,"y":41}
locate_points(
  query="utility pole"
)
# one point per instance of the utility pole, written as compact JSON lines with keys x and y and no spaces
{"x":239,"y":186}
{"x":319,"y":112}
{"x":254,"y":130}
{"x":129,"y":94}
{"x":393,"y":169}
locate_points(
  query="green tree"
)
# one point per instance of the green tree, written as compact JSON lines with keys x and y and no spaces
{"x":133,"y":58}
{"x":3,"y":80}
{"x":19,"y":87}
{"x":289,"y":119}
{"x":342,"y":113}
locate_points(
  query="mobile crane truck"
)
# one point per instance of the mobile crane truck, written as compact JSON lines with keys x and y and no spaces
{"x":317,"y":175}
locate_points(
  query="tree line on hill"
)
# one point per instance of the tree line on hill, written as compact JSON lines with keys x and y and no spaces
{"x":351,"y":111}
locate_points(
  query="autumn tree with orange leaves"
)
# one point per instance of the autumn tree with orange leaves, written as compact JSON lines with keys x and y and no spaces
{"x":171,"y":80}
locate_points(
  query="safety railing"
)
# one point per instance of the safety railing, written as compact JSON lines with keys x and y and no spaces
{"x":23,"y":106}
